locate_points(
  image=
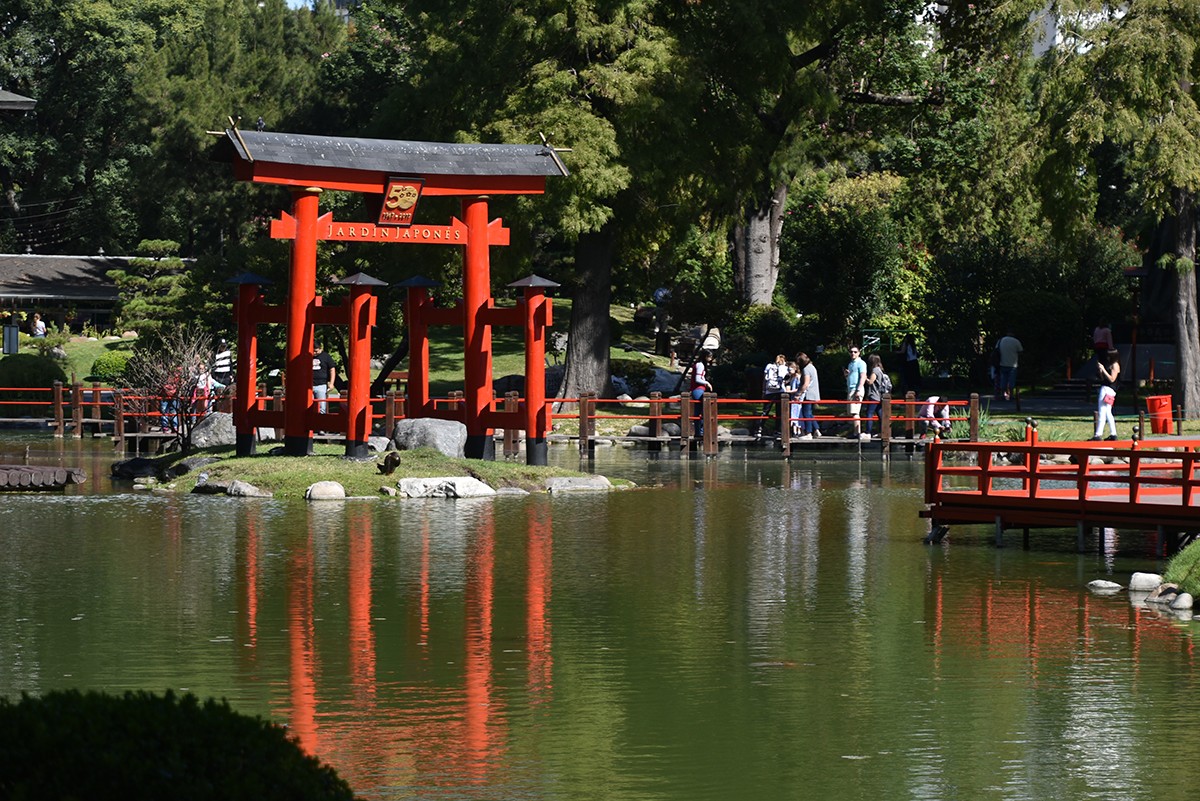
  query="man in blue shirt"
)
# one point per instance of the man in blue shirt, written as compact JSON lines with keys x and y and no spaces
{"x":856,"y":378}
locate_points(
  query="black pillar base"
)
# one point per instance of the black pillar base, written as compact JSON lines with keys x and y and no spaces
{"x":246,"y":444}
{"x":297,"y":446}
{"x":480,"y":446}
{"x":357,"y":450}
{"x":535,"y":451}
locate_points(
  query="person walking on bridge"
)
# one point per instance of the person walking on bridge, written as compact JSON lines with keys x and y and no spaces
{"x":1109,"y":372}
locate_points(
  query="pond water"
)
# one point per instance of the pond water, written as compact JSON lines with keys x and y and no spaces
{"x":737,"y":628}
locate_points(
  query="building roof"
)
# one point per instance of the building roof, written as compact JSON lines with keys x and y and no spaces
{"x":390,"y":156}
{"x":58,"y":278}
{"x":14,"y":102}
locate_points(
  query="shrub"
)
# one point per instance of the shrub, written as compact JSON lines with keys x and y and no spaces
{"x":68,"y":744}
{"x":1184,"y":569}
{"x":29,"y":373}
{"x":639,"y":375}
{"x":110,"y":366}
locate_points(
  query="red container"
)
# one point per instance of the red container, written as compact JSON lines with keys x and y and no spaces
{"x":1159,"y":407}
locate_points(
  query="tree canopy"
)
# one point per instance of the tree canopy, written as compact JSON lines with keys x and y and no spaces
{"x":858,"y":163}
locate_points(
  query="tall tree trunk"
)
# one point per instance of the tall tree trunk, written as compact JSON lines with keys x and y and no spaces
{"x":1187,"y":322}
{"x":756,"y":249}
{"x":589,"y":336}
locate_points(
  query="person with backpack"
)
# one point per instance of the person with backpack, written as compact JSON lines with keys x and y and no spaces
{"x":774,"y":375}
{"x":877,"y":384}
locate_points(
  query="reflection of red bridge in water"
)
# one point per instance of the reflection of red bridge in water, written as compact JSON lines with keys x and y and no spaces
{"x":459,"y":737}
{"x":1149,"y":484}
{"x":1017,"y":619}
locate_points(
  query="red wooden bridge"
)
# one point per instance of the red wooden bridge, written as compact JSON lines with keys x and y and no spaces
{"x":1148,"y":484}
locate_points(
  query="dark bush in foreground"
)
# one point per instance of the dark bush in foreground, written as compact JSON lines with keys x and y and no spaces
{"x":71,"y":745}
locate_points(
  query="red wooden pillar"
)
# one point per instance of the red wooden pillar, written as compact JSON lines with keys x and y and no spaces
{"x":537,"y":308}
{"x":361,"y":319}
{"x":477,"y":332}
{"x":416,"y":303}
{"x":302,"y":292}
{"x":248,"y":313}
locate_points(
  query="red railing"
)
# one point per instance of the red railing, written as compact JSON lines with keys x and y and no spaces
{"x":78,"y":407}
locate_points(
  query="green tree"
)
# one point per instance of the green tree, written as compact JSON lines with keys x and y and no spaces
{"x":591,"y":76}
{"x":1124,"y":76}
{"x":151,"y":286}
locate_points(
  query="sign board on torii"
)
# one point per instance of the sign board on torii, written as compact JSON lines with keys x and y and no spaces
{"x":310,"y":164}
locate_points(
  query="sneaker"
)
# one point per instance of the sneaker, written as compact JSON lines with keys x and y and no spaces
{"x":1111,"y":438}
{"x":1094,"y":439}
{"x":805,"y":436}
{"x":817,"y":433}
{"x":866,"y":437}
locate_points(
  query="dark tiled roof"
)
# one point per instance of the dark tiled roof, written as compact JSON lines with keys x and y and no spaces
{"x":14,"y":102}
{"x":58,"y":277}
{"x":389,"y":156}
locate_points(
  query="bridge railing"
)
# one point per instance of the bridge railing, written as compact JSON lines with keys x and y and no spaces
{"x":1156,"y":479}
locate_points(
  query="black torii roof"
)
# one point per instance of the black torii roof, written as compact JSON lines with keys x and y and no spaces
{"x":390,"y":156}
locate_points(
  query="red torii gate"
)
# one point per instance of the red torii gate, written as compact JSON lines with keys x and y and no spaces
{"x":401,"y":172}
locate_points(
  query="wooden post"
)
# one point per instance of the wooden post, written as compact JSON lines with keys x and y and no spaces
{"x":389,"y":413}
{"x":277,"y":406}
{"x":685,"y":422}
{"x":708,"y":411}
{"x":59,"y":426}
{"x":1179,"y":421}
{"x":885,"y":424}
{"x":973,"y":417}
{"x":77,"y":407}
{"x":910,"y":423}
{"x":1141,"y":425}
{"x":145,"y":417}
{"x":119,"y":418}
{"x":784,"y":414}
{"x":512,"y":405}
{"x":656,"y":409}
{"x":97,"y":408}
{"x":587,"y":443}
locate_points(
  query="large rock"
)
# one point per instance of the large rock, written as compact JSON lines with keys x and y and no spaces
{"x":1183,"y":600}
{"x":448,"y":487}
{"x":665,"y":381}
{"x":578,"y":484}
{"x":137,"y":467}
{"x":185,"y":466}
{"x":1144,"y":582}
{"x":448,"y":437}
{"x":214,"y":431}
{"x":244,"y":489}
{"x":1103,"y":587}
{"x":325,"y":491}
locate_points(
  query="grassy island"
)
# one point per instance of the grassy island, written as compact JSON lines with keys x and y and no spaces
{"x":289,"y":476}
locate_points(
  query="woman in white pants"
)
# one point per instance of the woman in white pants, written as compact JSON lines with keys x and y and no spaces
{"x":1110,"y":370}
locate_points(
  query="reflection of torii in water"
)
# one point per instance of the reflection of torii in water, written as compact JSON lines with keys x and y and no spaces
{"x":401,"y":173}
